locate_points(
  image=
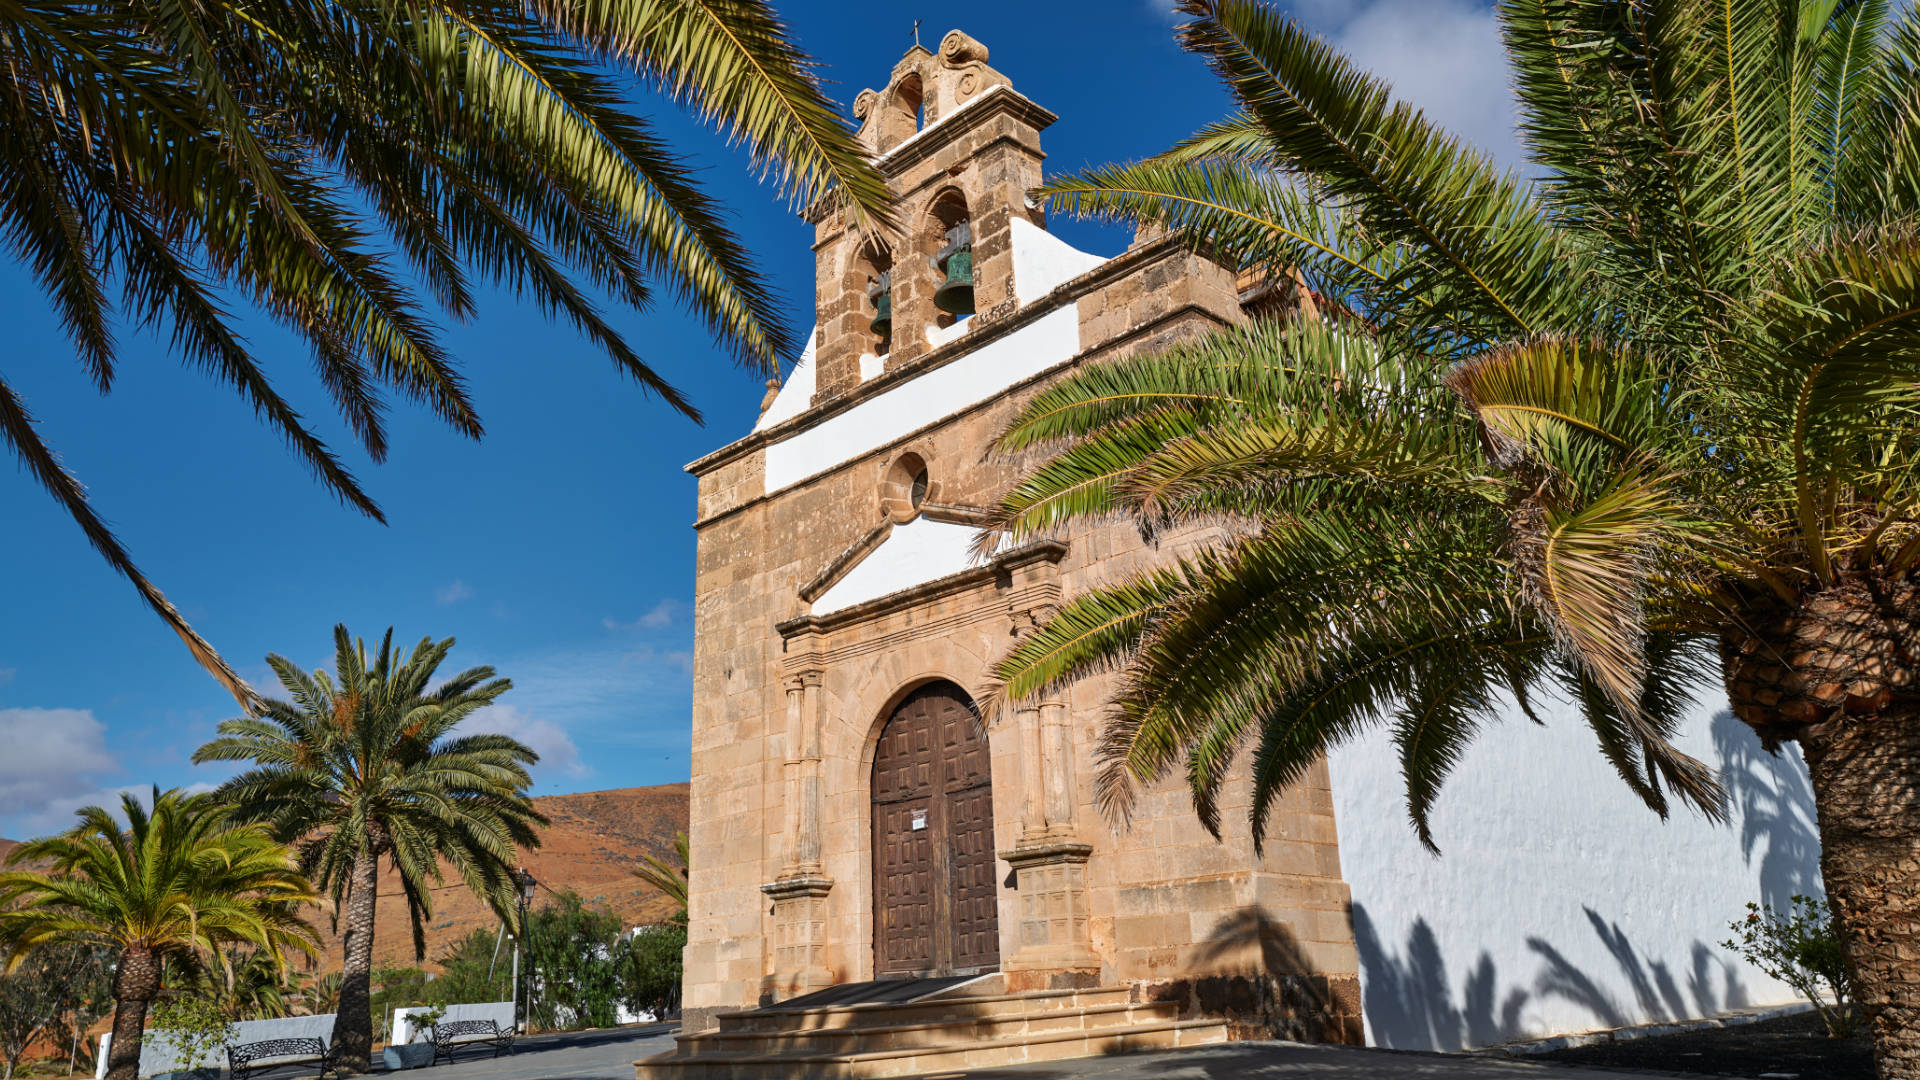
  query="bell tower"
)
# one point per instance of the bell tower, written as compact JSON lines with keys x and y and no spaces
{"x":960,"y":149}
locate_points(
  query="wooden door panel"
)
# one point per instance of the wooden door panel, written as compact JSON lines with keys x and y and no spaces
{"x":976,"y":918}
{"x":906,"y":891}
{"x":935,"y":906}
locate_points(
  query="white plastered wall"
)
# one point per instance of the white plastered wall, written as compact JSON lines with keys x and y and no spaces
{"x":1041,"y":262}
{"x":913,"y":553}
{"x":1560,"y":903}
{"x":1049,"y":340}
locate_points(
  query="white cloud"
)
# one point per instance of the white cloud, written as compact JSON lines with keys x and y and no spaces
{"x":662,"y":615}
{"x":51,"y":756}
{"x":1444,"y":56}
{"x":544,"y":737}
{"x":57,"y":814}
{"x":452,"y":593}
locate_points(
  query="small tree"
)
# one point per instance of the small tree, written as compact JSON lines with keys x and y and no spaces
{"x":36,"y":997}
{"x":653,"y":968}
{"x":90,"y":999}
{"x":1799,"y":947}
{"x":577,"y":955}
{"x":476,"y":969}
{"x":195,"y":1026}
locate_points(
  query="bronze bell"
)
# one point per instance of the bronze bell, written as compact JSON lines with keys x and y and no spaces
{"x":882,"y":323}
{"x":956,"y":296}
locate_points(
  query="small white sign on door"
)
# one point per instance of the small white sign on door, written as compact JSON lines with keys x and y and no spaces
{"x":919,"y":820}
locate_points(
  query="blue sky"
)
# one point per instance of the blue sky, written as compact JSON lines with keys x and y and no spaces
{"x":559,"y":549}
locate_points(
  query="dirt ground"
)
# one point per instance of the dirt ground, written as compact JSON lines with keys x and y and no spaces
{"x":1795,"y":1046}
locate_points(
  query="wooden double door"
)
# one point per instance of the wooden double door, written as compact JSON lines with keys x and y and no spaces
{"x":935,"y":908}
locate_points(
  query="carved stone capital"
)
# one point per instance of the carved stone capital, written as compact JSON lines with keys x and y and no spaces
{"x":1047,"y":853}
{"x":798,"y":886}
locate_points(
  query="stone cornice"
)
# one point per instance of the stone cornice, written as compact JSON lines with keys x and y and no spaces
{"x":792,"y":888}
{"x":1170,"y":245}
{"x":994,"y":100}
{"x":1047,"y":853}
{"x":970,"y":115}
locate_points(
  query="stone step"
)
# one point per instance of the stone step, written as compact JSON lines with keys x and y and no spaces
{"x":906,"y":1061}
{"x":889,"y":1014}
{"x":945,"y":1031}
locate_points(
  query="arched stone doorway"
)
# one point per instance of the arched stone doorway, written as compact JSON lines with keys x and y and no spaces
{"x":934,"y":906}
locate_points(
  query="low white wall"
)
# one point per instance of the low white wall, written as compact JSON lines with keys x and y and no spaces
{"x":158,"y":1053}
{"x":500,"y":1012}
{"x":1560,"y":902}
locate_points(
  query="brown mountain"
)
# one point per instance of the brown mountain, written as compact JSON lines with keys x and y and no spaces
{"x":594,"y":841}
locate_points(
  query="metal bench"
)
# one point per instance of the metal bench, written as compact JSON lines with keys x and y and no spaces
{"x":249,"y":1059}
{"x":449,"y":1035}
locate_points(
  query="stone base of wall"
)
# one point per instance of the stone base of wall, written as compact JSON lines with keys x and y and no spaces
{"x":1023,"y":982}
{"x":707,"y":1018}
{"x":1303,"y":1008}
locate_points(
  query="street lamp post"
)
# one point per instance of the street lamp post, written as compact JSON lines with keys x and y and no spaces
{"x":524,"y":893}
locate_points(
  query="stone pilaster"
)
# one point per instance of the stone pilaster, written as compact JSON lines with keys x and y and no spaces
{"x":799,"y":935}
{"x":1055,"y":950}
{"x":799,"y":894}
{"x":1050,"y":860}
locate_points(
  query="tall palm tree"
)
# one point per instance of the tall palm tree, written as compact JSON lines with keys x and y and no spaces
{"x":362,"y":766}
{"x":1643,"y":420}
{"x":182,"y":880}
{"x":316,"y":159}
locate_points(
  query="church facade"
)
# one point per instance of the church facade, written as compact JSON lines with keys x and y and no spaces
{"x":855,"y":815}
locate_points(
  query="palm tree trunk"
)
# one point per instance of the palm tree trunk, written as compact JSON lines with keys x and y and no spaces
{"x":135,"y":982}
{"x":1866,"y":784}
{"x":353,"y":1026}
{"x":1837,"y":673}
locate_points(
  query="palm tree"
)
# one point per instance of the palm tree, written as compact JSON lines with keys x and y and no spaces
{"x":362,"y":765}
{"x":320,"y":996}
{"x":1645,"y":419}
{"x":316,"y":159}
{"x":183,"y":879}
{"x":666,"y":877}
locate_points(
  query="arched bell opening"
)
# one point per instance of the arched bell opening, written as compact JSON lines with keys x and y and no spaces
{"x":900,"y":117}
{"x":950,"y":244}
{"x":873,"y":279}
{"x":935,"y":898}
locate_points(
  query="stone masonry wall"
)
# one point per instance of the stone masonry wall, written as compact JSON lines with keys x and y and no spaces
{"x":787,"y":704}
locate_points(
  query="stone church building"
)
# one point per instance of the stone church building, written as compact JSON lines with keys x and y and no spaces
{"x":857,"y":817}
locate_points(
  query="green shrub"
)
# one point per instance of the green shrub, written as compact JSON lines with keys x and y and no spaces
{"x":196,"y":1026}
{"x":1800,"y":948}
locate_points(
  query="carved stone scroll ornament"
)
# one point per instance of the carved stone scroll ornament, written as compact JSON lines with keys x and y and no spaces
{"x":958,"y":49}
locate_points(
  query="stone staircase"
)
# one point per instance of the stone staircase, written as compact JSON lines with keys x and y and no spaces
{"x":956,"y":1030}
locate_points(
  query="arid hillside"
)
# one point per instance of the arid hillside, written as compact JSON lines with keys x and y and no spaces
{"x":592,"y":845}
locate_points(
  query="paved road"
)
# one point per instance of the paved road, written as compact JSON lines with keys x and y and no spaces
{"x":609,"y":1055}
{"x":605,"y":1054}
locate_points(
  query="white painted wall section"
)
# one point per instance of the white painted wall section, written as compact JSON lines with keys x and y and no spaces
{"x":1560,"y":903}
{"x":1043,"y":262}
{"x":916,"y":552}
{"x":796,"y":394}
{"x":1053,"y":338}
{"x":402,"y":1031}
{"x":938,"y":335}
